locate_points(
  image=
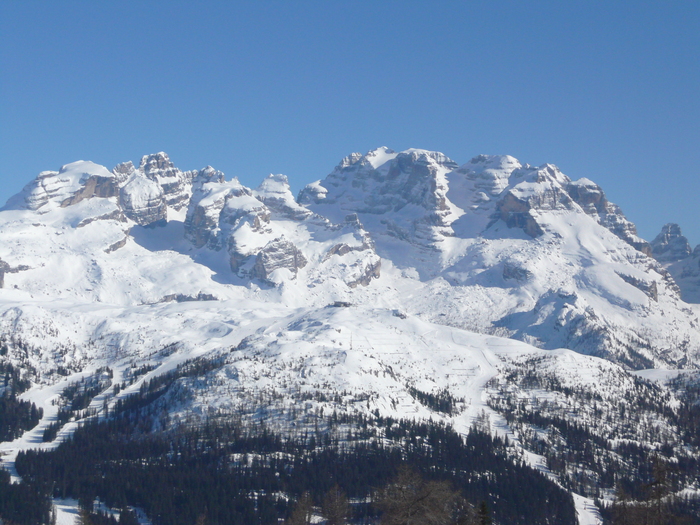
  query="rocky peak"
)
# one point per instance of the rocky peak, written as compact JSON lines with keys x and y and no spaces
{"x":275,"y":193}
{"x":176,"y":184}
{"x":278,"y":254}
{"x":499,"y":187}
{"x":215,"y":207}
{"x":591,"y":198}
{"x":533,"y":189}
{"x":157,"y":164}
{"x":490,"y":173}
{"x":542,"y":188}
{"x":208,"y":174}
{"x":670,"y":245}
{"x":73,"y":183}
{"x":350,"y":160}
{"x":123,"y":171}
{"x":142,"y":200}
{"x":274,"y":185}
{"x":397,"y":195}
{"x":382,"y":180}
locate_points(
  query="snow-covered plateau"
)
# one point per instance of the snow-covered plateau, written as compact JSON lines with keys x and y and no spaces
{"x":524,"y":298}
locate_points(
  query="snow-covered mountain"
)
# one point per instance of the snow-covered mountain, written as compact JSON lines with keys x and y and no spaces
{"x":499,"y":247}
{"x":397,"y":273}
{"x":492,"y":246}
{"x":673,"y":250}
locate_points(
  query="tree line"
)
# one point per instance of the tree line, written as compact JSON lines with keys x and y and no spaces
{"x":247,"y":474}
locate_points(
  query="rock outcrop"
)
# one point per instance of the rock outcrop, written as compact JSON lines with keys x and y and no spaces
{"x":4,"y":267}
{"x":141,"y":194}
{"x":209,"y":195}
{"x":276,"y":255}
{"x":70,"y":185}
{"x":682,"y":264}
{"x":276,"y":194}
{"x":409,"y":189}
{"x":176,"y":184}
{"x":592,"y":200}
{"x":142,"y":200}
{"x":670,"y":245}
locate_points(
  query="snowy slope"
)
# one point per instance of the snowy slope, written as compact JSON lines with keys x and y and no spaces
{"x":504,"y":248}
{"x":397,"y":273}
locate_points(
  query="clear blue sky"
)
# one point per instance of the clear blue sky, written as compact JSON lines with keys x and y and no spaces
{"x":605,"y":90}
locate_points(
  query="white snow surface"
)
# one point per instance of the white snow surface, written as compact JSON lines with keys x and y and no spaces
{"x":438,"y":284}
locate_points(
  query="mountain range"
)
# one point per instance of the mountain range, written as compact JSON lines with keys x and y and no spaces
{"x":400,"y":284}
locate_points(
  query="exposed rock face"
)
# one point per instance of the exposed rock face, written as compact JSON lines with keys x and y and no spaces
{"x":94,"y":186}
{"x":511,"y":271}
{"x":362,"y":260}
{"x":119,"y":244}
{"x":209,"y":195}
{"x":143,"y":195}
{"x":276,"y":194}
{"x":182,"y":298}
{"x":492,"y":188}
{"x":73,"y":183}
{"x":148,"y":192}
{"x":682,"y":264}
{"x":142,"y":201}
{"x":176,"y":184}
{"x":648,"y":287}
{"x":4,"y":267}
{"x":371,"y":271}
{"x":670,"y":245}
{"x":592,"y":200}
{"x":262,"y":231}
{"x":116,"y":215}
{"x":253,"y":227}
{"x":123,"y":171}
{"x":515,"y":212}
{"x":410,"y":186}
{"x":548,"y":189}
{"x":276,"y":255}
{"x":476,"y":187}
{"x":219,"y":208}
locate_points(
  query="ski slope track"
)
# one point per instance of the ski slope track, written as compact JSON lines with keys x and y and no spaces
{"x":398,"y":272}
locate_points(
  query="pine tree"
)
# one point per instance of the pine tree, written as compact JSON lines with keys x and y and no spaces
{"x":410,"y":500}
{"x":335,"y":507}
{"x":303,"y":510}
{"x":484,"y":514}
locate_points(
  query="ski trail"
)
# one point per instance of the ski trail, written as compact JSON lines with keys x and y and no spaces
{"x":586,"y":510}
{"x":34,"y":439}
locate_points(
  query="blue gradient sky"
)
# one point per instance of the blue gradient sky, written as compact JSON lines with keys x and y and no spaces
{"x":605,"y":90}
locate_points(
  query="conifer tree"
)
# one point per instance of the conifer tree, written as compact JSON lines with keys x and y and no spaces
{"x":484,"y":514}
{"x":335,"y":507}
{"x":303,"y":510}
{"x":410,"y":500}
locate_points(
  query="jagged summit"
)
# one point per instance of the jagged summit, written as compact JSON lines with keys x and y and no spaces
{"x":492,"y":245}
{"x":673,"y":251}
{"x":428,"y":196}
{"x":403,"y":285}
{"x":670,"y":245}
